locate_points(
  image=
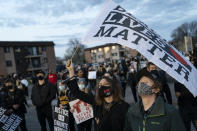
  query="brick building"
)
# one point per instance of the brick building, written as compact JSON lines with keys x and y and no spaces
{"x":108,"y":52}
{"x":26,"y":56}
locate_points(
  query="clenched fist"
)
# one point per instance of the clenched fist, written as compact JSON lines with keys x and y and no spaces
{"x":70,"y":68}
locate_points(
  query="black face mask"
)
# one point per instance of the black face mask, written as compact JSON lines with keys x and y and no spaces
{"x":40,"y":78}
{"x":105,"y":91}
{"x":9,"y":87}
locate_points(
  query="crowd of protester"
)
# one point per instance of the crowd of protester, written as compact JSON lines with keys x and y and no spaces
{"x":151,"y":110}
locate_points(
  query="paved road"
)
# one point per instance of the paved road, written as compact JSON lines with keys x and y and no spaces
{"x":32,"y":122}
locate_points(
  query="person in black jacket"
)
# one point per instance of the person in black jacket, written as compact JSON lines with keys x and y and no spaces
{"x":187,"y":105}
{"x":14,"y":102}
{"x":42,"y":95}
{"x":63,"y":102}
{"x":108,"y":105}
{"x":131,"y":78}
{"x":100,"y":72}
{"x":151,"y":113}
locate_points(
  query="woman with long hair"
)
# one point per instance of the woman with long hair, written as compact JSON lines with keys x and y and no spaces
{"x":108,"y":105}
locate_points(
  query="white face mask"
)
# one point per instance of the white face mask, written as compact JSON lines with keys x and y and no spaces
{"x":61,"y":88}
{"x":81,"y":86}
{"x":20,"y":87}
{"x":132,"y":70}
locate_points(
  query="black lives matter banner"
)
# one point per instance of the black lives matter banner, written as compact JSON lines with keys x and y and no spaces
{"x":115,"y":25}
{"x":8,"y":122}
{"x":61,"y":119}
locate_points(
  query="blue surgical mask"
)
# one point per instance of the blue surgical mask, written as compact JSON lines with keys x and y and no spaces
{"x":81,"y":86}
{"x":61,"y":88}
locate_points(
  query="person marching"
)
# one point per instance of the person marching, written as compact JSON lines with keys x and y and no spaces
{"x":187,"y":105}
{"x":42,"y":95}
{"x":14,"y":101}
{"x":64,"y":96}
{"x":109,"y":107}
{"x":151,"y":113}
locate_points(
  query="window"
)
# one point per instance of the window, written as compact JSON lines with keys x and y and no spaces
{"x":33,"y":51}
{"x":45,"y":60}
{"x":113,"y":47}
{"x":44,"y":48}
{"x":7,"y":49}
{"x":36,"y":62}
{"x":114,"y":54}
{"x":100,"y":49}
{"x":100,"y":56}
{"x":106,"y":49}
{"x":17,"y":50}
{"x":8,"y":63}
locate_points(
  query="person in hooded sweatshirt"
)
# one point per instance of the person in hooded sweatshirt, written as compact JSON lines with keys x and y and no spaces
{"x":108,"y":105}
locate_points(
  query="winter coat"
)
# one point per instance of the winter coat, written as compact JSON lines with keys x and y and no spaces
{"x":43,"y":95}
{"x":15,"y":98}
{"x":163,"y":117}
{"x":112,"y":120}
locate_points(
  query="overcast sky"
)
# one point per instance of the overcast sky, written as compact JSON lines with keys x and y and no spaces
{"x":61,"y":20}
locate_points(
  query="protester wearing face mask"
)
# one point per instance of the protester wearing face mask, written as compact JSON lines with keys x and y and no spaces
{"x":108,"y":105}
{"x":81,"y":81}
{"x":43,"y":93}
{"x":151,"y":113}
{"x":14,"y":102}
{"x":166,"y":94}
{"x":63,"y":101}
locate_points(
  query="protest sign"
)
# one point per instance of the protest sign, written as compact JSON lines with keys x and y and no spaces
{"x":61,"y":119}
{"x":91,"y":75}
{"x":81,"y":111}
{"x":8,"y":122}
{"x":115,"y":25}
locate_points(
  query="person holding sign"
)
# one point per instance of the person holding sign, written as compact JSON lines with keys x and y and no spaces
{"x":14,"y":102}
{"x":151,"y":113}
{"x":82,"y":84}
{"x":109,"y":107}
{"x":63,"y":101}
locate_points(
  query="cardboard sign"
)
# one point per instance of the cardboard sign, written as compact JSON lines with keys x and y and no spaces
{"x":115,"y":25}
{"x":92,"y":75}
{"x":81,"y":111}
{"x":8,"y":122}
{"x":61,"y":119}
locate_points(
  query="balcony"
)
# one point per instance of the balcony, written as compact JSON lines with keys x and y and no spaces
{"x":34,"y":55}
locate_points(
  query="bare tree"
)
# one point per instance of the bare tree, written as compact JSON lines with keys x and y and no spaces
{"x":79,"y":57}
{"x":59,"y":60}
{"x":186,"y":29}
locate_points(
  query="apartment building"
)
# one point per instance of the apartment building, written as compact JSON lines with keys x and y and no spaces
{"x":108,"y":52}
{"x":26,"y":56}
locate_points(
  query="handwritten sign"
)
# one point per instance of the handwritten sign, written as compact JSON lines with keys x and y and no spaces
{"x":61,"y":119}
{"x":8,"y":122}
{"x":81,"y":111}
{"x":92,"y":75}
